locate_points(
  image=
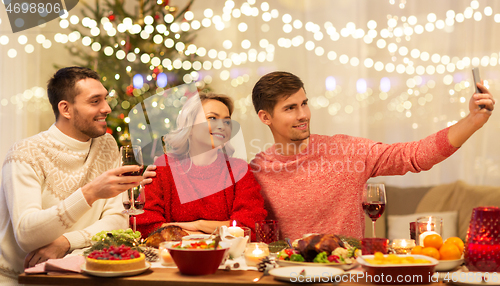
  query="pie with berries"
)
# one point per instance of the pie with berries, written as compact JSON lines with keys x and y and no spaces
{"x":114,"y":258}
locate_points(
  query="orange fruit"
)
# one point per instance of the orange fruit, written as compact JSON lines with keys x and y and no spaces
{"x":457,"y":241}
{"x":417,"y":250}
{"x":433,"y":240}
{"x":432,"y":252}
{"x":449,"y":251}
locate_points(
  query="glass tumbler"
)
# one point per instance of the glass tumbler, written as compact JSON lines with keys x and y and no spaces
{"x":482,"y":243}
{"x":267,"y":231}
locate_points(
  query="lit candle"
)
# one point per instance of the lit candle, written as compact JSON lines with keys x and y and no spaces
{"x":235,"y":230}
{"x":403,"y":246}
{"x":255,"y":252}
{"x":165,"y":257}
{"x":426,"y":233}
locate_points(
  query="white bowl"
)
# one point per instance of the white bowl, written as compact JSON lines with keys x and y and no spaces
{"x":447,"y":265}
{"x":205,"y":237}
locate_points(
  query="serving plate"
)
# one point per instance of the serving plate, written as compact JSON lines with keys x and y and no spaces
{"x":448,"y":265}
{"x":361,"y":260}
{"x":115,"y":273}
{"x":343,"y":266}
{"x":464,"y":278}
{"x":307,"y":274}
{"x":420,"y":273}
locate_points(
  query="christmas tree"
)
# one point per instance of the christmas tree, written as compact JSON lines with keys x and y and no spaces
{"x":137,"y":55}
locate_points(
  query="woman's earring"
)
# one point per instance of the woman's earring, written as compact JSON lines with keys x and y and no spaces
{"x":166,"y":146}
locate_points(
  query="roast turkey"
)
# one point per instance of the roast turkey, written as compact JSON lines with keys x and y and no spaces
{"x":311,"y":245}
{"x":166,"y":233}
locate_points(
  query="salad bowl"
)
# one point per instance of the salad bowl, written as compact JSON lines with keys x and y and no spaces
{"x":197,"y":261}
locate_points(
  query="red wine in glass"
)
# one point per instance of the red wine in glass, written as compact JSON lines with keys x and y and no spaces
{"x":137,"y":204}
{"x":133,"y":199}
{"x":132,"y":155}
{"x":374,"y":209}
{"x":127,"y":205}
{"x":374,"y":202}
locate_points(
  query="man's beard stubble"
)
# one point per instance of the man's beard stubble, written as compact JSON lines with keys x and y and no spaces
{"x":299,"y":136}
{"x":87,"y":129}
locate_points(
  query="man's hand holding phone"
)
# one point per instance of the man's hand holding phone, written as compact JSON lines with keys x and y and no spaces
{"x":477,"y":79}
{"x":482,"y":103}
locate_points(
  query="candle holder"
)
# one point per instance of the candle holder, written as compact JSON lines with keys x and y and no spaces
{"x":427,"y":225}
{"x":165,"y":257}
{"x":267,"y":231}
{"x":482,"y":243}
{"x":403,"y":246}
{"x":413,"y":229}
{"x":370,"y":245}
{"x":255,"y":252}
{"x":247,"y":232}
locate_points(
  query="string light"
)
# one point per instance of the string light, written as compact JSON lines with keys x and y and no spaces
{"x":391,"y":35}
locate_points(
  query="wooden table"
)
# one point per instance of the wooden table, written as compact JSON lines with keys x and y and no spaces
{"x":169,"y":276}
{"x":154,"y":276}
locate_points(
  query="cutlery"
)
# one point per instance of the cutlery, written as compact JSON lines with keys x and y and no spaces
{"x":266,"y":272}
{"x":217,"y":240}
{"x":352,"y":265}
{"x":213,"y":233}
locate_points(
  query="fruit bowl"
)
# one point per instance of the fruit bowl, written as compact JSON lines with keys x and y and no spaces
{"x":399,"y":273}
{"x":198,"y":261}
{"x":447,"y":265}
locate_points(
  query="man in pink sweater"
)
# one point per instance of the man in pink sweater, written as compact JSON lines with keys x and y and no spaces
{"x":313,"y":183}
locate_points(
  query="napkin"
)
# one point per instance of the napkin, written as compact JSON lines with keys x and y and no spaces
{"x":238,"y":263}
{"x":68,"y":264}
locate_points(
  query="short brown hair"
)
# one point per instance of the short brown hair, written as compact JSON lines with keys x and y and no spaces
{"x":273,"y":86}
{"x":62,"y":85}
{"x":219,"y":97}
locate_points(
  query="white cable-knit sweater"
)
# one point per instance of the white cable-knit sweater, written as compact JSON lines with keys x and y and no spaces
{"x":41,"y":197}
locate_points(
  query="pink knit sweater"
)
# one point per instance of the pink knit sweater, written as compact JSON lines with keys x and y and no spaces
{"x":320,"y":189}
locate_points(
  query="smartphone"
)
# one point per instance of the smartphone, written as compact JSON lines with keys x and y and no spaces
{"x":477,"y":79}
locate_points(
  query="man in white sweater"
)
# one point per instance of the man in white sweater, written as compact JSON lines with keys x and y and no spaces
{"x":60,"y":186}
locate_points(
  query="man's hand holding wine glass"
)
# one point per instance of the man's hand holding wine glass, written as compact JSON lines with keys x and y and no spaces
{"x":112,"y":183}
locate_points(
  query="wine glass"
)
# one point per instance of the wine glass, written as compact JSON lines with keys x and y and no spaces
{"x":133,"y":199}
{"x":374,"y":202}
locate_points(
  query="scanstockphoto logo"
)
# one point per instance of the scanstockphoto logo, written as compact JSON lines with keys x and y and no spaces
{"x":26,"y":14}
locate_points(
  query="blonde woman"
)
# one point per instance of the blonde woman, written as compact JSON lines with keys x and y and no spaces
{"x":198,"y":185}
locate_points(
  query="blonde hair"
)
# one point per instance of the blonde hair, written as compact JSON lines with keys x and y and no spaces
{"x":178,"y":140}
